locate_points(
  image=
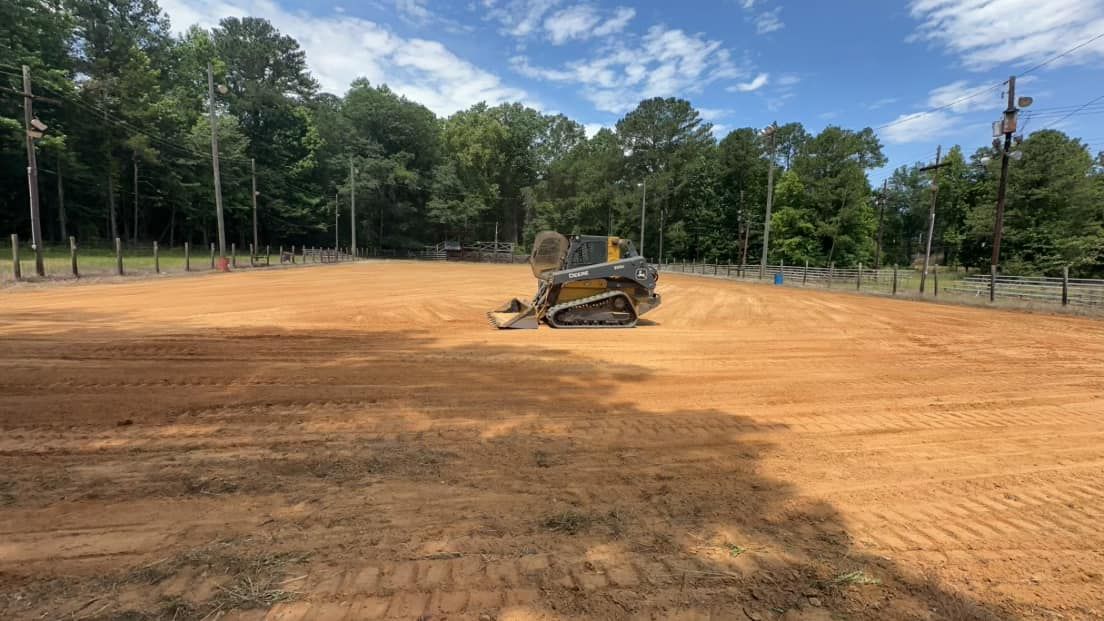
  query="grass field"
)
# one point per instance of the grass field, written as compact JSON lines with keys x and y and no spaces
{"x":95,"y":262}
{"x":353,"y":442}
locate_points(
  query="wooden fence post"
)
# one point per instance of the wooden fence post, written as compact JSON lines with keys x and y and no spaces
{"x":73,"y":256}
{"x":805,"y":274}
{"x":16,"y":272}
{"x":1065,"y":285}
{"x":119,"y":256}
{"x":894,"y":279}
{"x":252,"y":256}
{"x":233,"y":255}
{"x":268,"y":253}
{"x":935,"y":281}
{"x":293,"y":254}
{"x":156,"y":259}
{"x":858,"y":279}
{"x":831,"y":273}
{"x":187,"y":257}
{"x":212,"y":255}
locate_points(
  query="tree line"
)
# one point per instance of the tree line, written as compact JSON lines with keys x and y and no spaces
{"x":127,"y":154}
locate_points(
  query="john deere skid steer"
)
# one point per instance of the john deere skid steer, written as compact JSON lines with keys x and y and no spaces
{"x":583,"y":282}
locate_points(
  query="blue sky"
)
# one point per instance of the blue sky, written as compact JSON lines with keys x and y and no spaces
{"x":741,"y":62}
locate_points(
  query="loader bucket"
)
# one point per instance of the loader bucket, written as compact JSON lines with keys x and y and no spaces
{"x":515,"y":314}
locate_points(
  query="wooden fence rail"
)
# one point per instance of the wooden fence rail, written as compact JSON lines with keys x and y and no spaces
{"x":1048,"y":289}
{"x":121,"y":259}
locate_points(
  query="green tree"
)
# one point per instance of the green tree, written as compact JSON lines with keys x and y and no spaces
{"x":269,"y":89}
{"x":833,"y":165}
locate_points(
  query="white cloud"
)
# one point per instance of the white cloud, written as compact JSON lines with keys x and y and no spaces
{"x":663,"y":63}
{"x":583,"y":21}
{"x":575,"y":22}
{"x":881,"y":103}
{"x":592,"y":128}
{"x":768,"y":21}
{"x":918,"y":127}
{"x":621,"y":18}
{"x":788,"y":79}
{"x":713,"y":114}
{"x":755,"y":84}
{"x":719,"y":130}
{"x":342,"y":48}
{"x":519,"y":18}
{"x":988,"y":33}
{"x":950,"y":102}
{"x":962,"y":97}
{"x":415,"y":10}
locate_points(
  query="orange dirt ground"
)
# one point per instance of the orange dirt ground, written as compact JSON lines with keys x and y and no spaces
{"x":354,"y":442}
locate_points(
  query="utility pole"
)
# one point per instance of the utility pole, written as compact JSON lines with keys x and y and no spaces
{"x":352,"y":202}
{"x":61,"y":198}
{"x":770,"y":200}
{"x":337,"y":220}
{"x":643,"y":209}
{"x":1008,"y":125}
{"x":215,"y":163}
{"x":931,"y":212}
{"x":747,"y":229}
{"x":881,"y":219}
{"x":110,"y":175}
{"x":253,"y":172}
{"x":33,"y":129}
{"x":662,"y":217}
{"x":134,"y":234}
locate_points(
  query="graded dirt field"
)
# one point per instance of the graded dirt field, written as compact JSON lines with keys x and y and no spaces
{"x":354,"y":442}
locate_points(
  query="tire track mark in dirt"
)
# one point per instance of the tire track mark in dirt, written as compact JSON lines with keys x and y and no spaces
{"x":366,"y":449}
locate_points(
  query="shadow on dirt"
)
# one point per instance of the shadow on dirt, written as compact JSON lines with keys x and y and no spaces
{"x":390,"y":447}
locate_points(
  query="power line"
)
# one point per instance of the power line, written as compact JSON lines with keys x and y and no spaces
{"x":913,"y":117}
{"x":109,"y":116}
{"x":1087,"y":104}
{"x":1063,"y":54}
{"x":980,"y":92}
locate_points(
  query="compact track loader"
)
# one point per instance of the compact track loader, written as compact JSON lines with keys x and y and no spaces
{"x":583,"y":282}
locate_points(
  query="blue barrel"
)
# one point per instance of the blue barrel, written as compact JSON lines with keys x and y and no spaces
{"x":778,"y":278}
